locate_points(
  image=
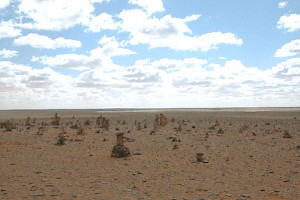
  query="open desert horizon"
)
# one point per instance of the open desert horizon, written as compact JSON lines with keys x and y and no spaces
{"x":149,"y":100}
{"x":245,"y":153}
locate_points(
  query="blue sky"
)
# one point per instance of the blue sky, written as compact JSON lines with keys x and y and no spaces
{"x":142,"y":53}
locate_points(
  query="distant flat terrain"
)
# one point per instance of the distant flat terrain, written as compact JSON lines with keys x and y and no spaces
{"x":248,"y":153}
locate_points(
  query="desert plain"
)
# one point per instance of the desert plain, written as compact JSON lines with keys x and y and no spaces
{"x":246,"y":154}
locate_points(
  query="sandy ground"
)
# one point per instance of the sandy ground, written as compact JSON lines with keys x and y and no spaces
{"x":249,"y":158}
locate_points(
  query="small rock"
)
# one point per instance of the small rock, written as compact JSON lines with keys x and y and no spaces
{"x":199,"y":157}
{"x":74,"y":195}
{"x":38,"y":194}
{"x":220,"y":131}
{"x":286,"y":134}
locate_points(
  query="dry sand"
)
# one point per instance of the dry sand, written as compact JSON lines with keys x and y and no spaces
{"x":249,"y":159}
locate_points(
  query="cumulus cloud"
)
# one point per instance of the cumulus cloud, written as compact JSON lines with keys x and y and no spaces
{"x":101,"y":22}
{"x":150,"y":7}
{"x":7,"y":30}
{"x":75,"y":61}
{"x":179,"y":82}
{"x":22,"y":86}
{"x":55,"y":14}
{"x":99,"y":57}
{"x":170,"y":32}
{"x":282,"y":4}
{"x":44,"y":42}
{"x":288,"y":69}
{"x":4,"y":3}
{"x":291,"y":22}
{"x":99,"y":1}
{"x":290,"y":49}
{"x":7,"y":54}
{"x":111,"y":47}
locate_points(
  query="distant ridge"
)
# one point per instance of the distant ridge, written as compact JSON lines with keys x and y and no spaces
{"x":242,"y":109}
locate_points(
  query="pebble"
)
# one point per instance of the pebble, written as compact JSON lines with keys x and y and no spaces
{"x":38,"y":194}
{"x":74,"y":195}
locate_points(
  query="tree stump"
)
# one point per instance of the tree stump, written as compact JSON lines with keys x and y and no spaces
{"x":120,"y":150}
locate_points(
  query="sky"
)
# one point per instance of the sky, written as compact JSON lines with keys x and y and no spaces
{"x":83,"y":54}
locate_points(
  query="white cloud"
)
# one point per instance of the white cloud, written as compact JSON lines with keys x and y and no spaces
{"x":111,"y":47}
{"x":99,"y":1}
{"x":282,"y":4}
{"x":7,"y":30}
{"x":288,"y":69}
{"x":74,"y":61}
{"x":98,"y":57}
{"x":170,"y":32}
{"x":290,"y":22}
{"x":189,"y":82}
{"x":22,"y":86}
{"x":290,"y":49}
{"x":103,"y":21}
{"x":150,"y":7}
{"x":4,"y":3}
{"x":41,"y":41}
{"x":4,"y":53}
{"x":55,"y":14}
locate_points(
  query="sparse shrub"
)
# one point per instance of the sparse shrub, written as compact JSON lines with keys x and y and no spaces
{"x":61,"y":139}
{"x":120,"y":150}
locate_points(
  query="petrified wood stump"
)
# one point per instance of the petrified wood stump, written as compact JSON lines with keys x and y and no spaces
{"x":120,"y":150}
